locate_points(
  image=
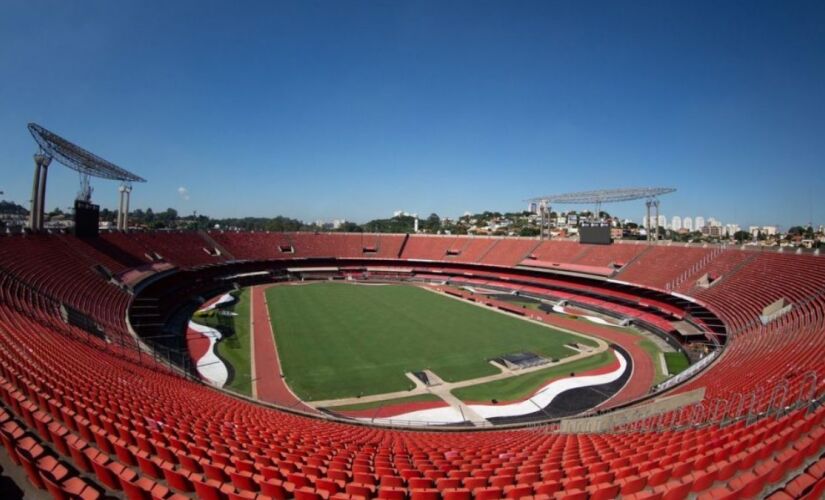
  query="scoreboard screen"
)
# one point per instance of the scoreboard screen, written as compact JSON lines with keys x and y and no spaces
{"x":595,"y":234}
{"x":86,"y":219}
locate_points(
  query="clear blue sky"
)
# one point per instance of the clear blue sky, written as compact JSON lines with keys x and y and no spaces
{"x":356,"y":109}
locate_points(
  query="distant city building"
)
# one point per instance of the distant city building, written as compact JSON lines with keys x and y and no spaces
{"x":731,"y":229}
{"x":700,"y":223}
{"x":687,"y":223}
{"x":676,"y":223}
{"x":765,"y":230}
{"x":533,"y":207}
{"x":713,"y":228}
{"x":663,"y":221}
{"x":713,"y":231}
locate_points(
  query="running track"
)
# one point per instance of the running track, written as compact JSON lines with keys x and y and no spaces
{"x":270,"y":386}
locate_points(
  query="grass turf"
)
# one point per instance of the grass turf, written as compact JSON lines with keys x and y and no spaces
{"x":387,"y":402}
{"x":521,"y":386}
{"x":676,"y":362}
{"x":235,"y":349}
{"x":340,"y":340}
{"x":533,"y":305}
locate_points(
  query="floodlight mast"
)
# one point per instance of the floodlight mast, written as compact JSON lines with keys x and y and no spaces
{"x":87,"y":164}
{"x":651,"y":195}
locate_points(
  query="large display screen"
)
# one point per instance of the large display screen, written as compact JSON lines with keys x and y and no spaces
{"x":595,"y":235}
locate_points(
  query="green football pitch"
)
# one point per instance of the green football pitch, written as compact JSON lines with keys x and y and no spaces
{"x":338,"y":340}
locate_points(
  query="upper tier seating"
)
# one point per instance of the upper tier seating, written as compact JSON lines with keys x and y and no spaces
{"x":588,"y":259}
{"x":187,"y":249}
{"x":257,"y":246}
{"x":558,"y":251}
{"x":508,"y":252}
{"x":605,"y":255}
{"x":660,"y":265}
{"x":387,"y":246}
{"x":432,"y":247}
{"x":718,"y":266}
{"x":471,"y":249}
{"x":98,"y":251}
{"x":48,"y":265}
{"x":741,"y":296}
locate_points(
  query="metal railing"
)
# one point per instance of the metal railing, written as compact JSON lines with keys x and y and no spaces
{"x":748,"y":408}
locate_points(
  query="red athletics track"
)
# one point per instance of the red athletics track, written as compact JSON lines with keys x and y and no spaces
{"x":271,"y":387}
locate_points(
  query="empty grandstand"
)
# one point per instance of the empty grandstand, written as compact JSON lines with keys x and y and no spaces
{"x":114,"y":405}
{"x":346,"y":279}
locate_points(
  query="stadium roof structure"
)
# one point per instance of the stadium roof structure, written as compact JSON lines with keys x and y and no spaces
{"x":77,"y":158}
{"x":605,"y":195}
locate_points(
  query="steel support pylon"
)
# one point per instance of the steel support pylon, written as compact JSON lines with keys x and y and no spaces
{"x":38,"y":201}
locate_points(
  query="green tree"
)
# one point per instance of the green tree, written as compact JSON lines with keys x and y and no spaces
{"x":431,"y":224}
{"x":350,"y":227}
{"x":529,"y":231}
{"x":741,"y":236}
{"x":106,"y":215}
{"x":12,"y":208}
{"x":400,"y":224}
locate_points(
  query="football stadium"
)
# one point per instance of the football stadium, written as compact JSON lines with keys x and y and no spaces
{"x":233,"y":364}
{"x":584,"y":357}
